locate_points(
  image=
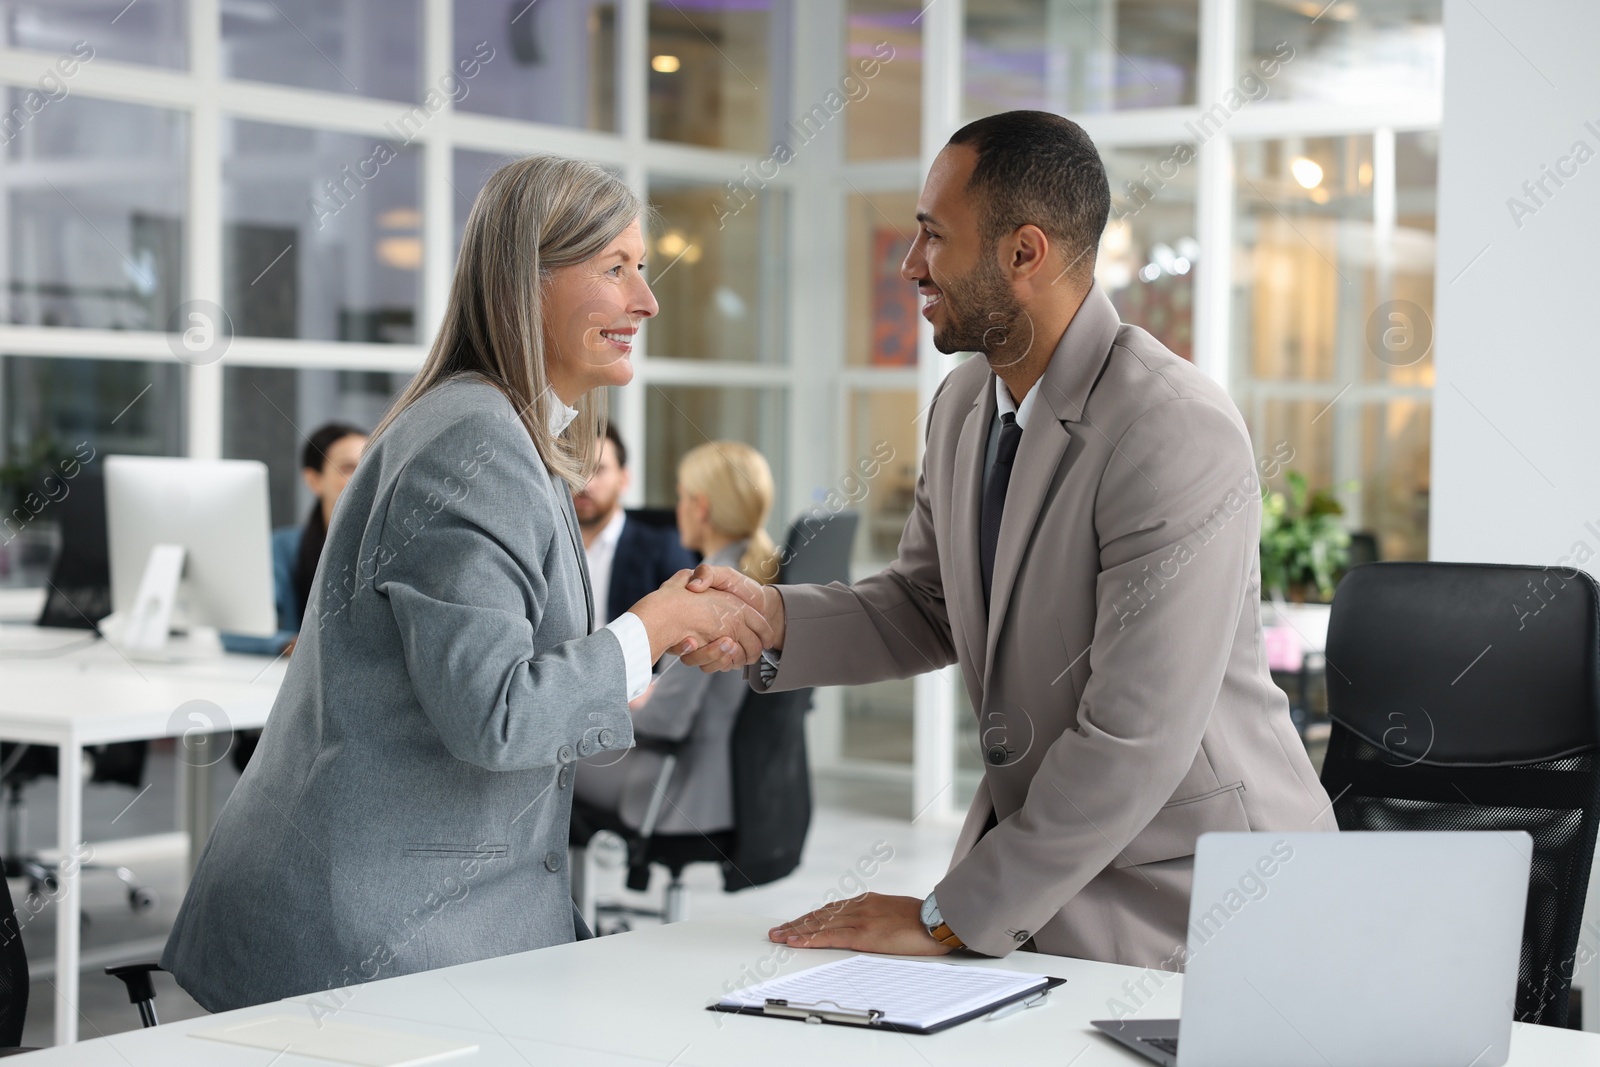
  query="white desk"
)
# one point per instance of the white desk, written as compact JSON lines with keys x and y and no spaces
{"x":640,"y":997}
{"x":94,"y":696}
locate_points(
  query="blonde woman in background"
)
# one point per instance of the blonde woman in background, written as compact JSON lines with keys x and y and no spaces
{"x":724,"y":498}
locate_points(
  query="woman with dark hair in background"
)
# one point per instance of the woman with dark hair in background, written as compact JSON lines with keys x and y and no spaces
{"x":326,"y":463}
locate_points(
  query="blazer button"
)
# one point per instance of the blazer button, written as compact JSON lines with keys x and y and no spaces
{"x":565,"y":754}
{"x":605,"y":738}
{"x":997,"y":754}
{"x":584,"y":747}
{"x":552,"y":861}
{"x":564,"y":778}
{"x":1020,"y":936}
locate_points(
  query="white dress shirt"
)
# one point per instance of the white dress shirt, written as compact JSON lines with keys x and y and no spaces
{"x":601,"y":555}
{"x":629,"y":630}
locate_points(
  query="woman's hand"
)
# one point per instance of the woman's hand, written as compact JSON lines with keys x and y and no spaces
{"x":681,"y":620}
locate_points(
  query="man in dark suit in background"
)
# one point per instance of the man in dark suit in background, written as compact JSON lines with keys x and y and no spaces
{"x":626,"y":559}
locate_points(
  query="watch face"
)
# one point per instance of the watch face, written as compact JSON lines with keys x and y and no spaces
{"x":930,"y":912}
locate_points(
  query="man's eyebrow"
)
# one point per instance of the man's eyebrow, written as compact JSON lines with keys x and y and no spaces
{"x":926,"y":219}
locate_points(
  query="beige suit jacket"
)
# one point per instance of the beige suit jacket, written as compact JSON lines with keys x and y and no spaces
{"x":1119,"y":676}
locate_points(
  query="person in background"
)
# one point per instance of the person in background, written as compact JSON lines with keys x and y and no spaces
{"x":724,"y":497}
{"x":626,"y":559}
{"x":326,"y":463}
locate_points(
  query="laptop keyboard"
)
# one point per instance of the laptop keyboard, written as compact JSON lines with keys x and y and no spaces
{"x":1168,"y":1045}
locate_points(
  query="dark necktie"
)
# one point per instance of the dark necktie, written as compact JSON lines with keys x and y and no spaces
{"x":994,"y":499}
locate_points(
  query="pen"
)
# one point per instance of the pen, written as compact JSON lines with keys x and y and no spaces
{"x":1017,"y":1005}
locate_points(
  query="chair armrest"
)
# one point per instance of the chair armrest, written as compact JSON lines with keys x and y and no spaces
{"x":135,"y":977}
{"x":667,"y":746}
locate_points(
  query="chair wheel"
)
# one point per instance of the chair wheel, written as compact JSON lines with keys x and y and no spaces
{"x":142,"y":898}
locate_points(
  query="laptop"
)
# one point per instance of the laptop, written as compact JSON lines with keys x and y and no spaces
{"x":1345,"y":950}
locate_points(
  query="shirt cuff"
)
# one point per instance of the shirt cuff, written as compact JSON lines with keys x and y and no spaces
{"x":635,"y":642}
{"x":768,"y":665}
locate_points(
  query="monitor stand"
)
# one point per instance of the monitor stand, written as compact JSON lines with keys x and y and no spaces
{"x":145,"y":632}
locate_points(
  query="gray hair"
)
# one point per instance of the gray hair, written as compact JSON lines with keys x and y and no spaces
{"x":534,"y":216}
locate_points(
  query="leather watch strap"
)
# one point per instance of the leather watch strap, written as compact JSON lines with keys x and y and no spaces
{"x":946,"y":936}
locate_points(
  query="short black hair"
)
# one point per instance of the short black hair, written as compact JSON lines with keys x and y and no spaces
{"x":314,"y":456}
{"x":609,"y":432}
{"x":1039,"y":168}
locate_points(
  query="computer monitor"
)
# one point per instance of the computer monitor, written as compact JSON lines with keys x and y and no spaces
{"x":79,"y":593}
{"x":191,"y":546}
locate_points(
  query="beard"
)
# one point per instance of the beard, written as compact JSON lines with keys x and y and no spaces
{"x":592,"y":511}
{"x":981,"y":315}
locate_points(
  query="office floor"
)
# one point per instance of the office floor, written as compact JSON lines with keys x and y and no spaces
{"x":860,"y":839}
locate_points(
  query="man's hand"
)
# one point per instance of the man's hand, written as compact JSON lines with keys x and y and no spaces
{"x":765,"y":600}
{"x":871,"y":922}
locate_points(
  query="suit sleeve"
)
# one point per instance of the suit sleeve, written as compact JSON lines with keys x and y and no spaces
{"x":894,"y":624}
{"x":1177,"y":533}
{"x":471,"y":527}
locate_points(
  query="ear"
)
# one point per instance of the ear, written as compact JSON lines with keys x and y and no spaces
{"x":1027,"y":253}
{"x":313,"y":480}
{"x":624,"y":479}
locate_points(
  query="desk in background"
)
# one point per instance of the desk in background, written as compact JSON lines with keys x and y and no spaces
{"x":640,"y":997}
{"x":92,"y":695}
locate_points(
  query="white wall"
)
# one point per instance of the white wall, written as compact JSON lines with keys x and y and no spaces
{"x":1517,"y":407}
{"x":1516,"y":431}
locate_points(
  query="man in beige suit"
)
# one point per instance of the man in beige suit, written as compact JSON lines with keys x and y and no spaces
{"x":1084,"y":543}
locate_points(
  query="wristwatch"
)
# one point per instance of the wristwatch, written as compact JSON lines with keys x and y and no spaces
{"x":938,"y":929}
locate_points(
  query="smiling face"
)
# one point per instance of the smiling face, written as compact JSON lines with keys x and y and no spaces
{"x":966,"y":295}
{"x":592,"y":312}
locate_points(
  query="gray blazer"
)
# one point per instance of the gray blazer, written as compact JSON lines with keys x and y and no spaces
{"x":1118,"y":673}
{"x":409,"y":805}
{"x":687,"y":704}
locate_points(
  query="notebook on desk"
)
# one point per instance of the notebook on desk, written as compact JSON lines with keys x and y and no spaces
{"x":907,"y":996}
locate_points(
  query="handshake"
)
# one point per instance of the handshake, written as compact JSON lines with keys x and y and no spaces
{"x":714,"y":618}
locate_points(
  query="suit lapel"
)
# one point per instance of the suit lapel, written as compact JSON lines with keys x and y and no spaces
{"x":968,"y":491}
{"x":569,"y":517}
{"x":1044,"y":442}
{"x":1063,"y":390}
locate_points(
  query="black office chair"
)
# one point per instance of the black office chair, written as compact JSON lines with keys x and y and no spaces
{"x":13,"y":979}
{"x":79,"y":597}
{"x":1467,"y":697}
{"x":771,"y":774}
{"x":20,"y":764}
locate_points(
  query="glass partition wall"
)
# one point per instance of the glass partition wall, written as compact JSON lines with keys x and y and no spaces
{"x":298,"y":173}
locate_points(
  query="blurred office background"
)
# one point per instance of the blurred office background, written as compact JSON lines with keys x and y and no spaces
{"x":306,"y":165}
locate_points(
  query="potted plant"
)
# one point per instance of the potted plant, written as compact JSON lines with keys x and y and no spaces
{"x":1304,"y":545}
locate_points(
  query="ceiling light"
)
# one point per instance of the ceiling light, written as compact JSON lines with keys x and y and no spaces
{"x":664,"y":64}
{"x":1306,"y":172}
{"x":401,"y":218}
{"x":403,"y":253}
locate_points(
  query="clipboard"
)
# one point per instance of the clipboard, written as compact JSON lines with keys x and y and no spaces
{"x":831,"y":1012}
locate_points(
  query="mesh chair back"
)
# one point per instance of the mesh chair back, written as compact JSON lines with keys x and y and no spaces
{"x":1467,"y":697}
{"x":13,"y":974}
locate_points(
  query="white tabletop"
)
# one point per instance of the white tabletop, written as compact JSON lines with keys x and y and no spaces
{"x":60,"y":687}
{"x":641,"y":997}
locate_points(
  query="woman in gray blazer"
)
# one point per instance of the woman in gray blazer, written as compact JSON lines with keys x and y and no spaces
{"x":724,"y":498}
{"x":408,"y":806}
